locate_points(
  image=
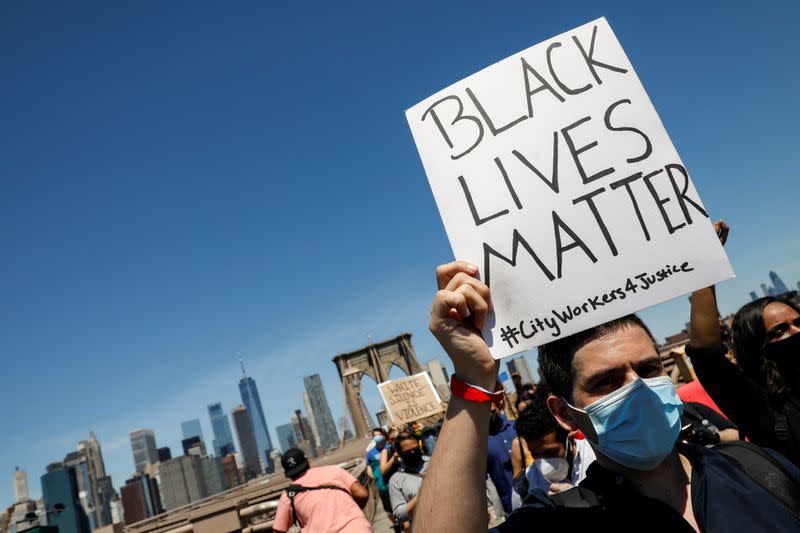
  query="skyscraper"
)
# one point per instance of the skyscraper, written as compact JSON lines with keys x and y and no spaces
{"x":312,"y":423}
{"x":141,"y":498}
{"x":753,"y":295}
{"x":252,"y":401}
{"x":60,"y":487}
{"x":221,"y":427}
{"x":143,"y":445}
{"x":193,"y":446}
{"x":182,"y":481}
{"x":164,"y":454}
{"x":767,"y":290}
{"x":94,"y":487}
{"x":286,"y":437}
{"x":323,"y":420}
{"x":214,"y":475}
{"x":21,"y":493}
{"x":305,"y":437}
{"x":248,"y":446}
{"x":191,"y":428}
{"x":777,"y":282}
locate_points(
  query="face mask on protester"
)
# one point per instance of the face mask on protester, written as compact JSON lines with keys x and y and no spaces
{"x":637,"y":425}
{"x":412,"y":458}
{"x":554,"y":469}
{"x":379,"y":440}
{"x":785,"y":352}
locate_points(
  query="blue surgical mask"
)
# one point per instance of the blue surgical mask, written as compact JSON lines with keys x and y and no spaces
{"x":637,"y":425}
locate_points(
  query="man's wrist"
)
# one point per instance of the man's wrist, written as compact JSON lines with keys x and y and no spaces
{"x":486,"y":380}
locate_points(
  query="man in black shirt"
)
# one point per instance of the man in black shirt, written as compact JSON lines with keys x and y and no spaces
{"x":609,"y":383}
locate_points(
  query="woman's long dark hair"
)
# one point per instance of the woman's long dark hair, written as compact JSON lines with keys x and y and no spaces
{"x":749,"y":339}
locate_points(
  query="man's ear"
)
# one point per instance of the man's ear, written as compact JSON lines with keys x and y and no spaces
{"x":559,"y":409}
{"x":569,"y":419}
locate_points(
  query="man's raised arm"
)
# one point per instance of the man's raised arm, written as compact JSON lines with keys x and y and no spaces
{"x":453,"y":495}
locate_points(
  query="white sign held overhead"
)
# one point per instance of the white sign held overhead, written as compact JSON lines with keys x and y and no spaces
{"x":554,"y":175}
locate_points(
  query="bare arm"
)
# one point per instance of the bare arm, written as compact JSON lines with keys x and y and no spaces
{"x":704,"y":330}
{"x":516,"y":458}
{"x":728,"y":435}
{"x":453,"y":496}
{"x":387,"y":462}
{"x":359,"y":493}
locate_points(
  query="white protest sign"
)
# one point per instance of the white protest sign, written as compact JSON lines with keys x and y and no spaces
{"x":554,"y":175}
{"x":410,"y":398}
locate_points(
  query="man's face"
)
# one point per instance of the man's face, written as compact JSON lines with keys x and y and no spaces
{"x":381,"y":443}
{"x":608,"y":363}
{"x":406,"y":445}
{"x":603,"y":366}
{"x":549,"y":446}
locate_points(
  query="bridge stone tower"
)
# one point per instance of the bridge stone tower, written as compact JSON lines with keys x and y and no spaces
{"x":375,"y":360}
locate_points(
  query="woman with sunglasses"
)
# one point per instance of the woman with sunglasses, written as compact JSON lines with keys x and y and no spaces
{"x":762,"y":394}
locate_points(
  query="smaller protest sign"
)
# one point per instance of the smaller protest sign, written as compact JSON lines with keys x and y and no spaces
{"x":411,"y":398}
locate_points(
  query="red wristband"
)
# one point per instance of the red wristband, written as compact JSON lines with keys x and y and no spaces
{"x":473,"y":393}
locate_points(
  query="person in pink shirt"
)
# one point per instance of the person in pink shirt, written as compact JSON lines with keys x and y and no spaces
{"x":321,"y":499}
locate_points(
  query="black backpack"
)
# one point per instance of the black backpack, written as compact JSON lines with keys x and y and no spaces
{"x":294,"y":490}
{"x":760,"y":466}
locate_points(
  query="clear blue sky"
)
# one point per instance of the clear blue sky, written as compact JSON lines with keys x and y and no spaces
{"x":183,"y":181}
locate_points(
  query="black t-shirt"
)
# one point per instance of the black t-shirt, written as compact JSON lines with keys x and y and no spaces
{"x":747,"y":403}
{"x":724,"y":500}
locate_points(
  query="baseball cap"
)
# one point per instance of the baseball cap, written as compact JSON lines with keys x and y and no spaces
{"x":294,"y":461}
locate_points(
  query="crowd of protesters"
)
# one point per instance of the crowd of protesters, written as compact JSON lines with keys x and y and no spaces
{"x":605,"y":441}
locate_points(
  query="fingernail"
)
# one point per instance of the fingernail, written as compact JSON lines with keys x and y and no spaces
{"x":472,"y":267}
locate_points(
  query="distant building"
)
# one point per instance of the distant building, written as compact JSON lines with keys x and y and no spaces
{"x":248,"y":446}
{"x":164,"y":454}
{"x":194,"y":446}
{"x":798,"y":285}
{"x":312,"y":423}
{"x":21,"y":493}
{"x":140,"y":498}
{"x":252,"y":401}
{"x":439,"y":378}
{"x":753,"y":295}
{"x":117,"y":512}
{"x":192,"y":428}
{"x":21,"y":517}
{"x":231,"y":471}
{"x":305,"y":437}
{"x":214,"y":475}
{"x":777,"y":282}
{"x":321,"y":411}
{"x":60,"y":488}
{"x":286,"y":437}
{"x":221,"y":427}
{"x":767,"y":290}
{"x":95,"y":490}
{"x":520,"y":364}
{"x":143,"y":445}
{"x":182,"y":481}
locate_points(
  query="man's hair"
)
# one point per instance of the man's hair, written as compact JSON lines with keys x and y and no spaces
{"x":381,"y":431}
{"x":405,"y":435}
{"x":536,"y":421}
{"x":555,"y":358}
